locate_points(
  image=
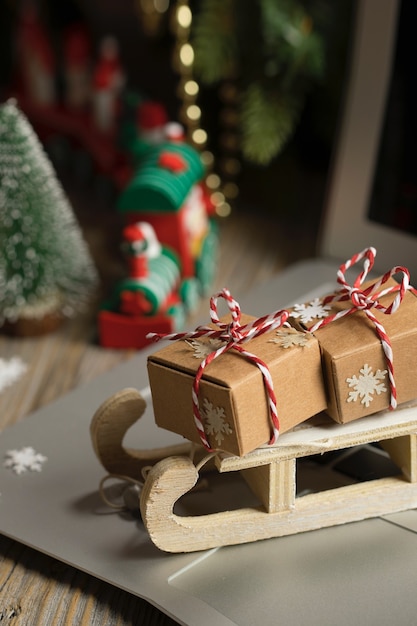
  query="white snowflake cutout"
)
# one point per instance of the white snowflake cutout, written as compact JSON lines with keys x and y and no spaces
{"x":366,"y":385}
{"x":215,"y":421}
{"x":289,"y":338}
{"x":11,"y":371}
{"x":310,"y":311}
{"x":203,"y":348}
{"x":24,"y":460}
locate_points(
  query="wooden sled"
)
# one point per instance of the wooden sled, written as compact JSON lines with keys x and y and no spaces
{"x":270,"y":472}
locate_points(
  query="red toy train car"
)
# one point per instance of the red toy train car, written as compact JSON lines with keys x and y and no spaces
{"x":170,"y":241}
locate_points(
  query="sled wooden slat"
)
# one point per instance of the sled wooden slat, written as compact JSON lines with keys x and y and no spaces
{"x":321,"y":434}
{"x":403,"y":451}
{"x":273,"y":484}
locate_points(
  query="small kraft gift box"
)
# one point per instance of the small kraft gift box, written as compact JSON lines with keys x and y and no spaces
{"x":368,"y":339}
{"x":233,"y":386}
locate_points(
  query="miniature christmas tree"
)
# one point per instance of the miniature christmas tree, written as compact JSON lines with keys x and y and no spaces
{"x":45,"y":266}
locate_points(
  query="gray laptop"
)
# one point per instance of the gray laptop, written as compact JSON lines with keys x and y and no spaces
{"x":359,"y":573}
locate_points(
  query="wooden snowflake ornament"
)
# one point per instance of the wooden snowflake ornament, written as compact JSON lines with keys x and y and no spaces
{"x":311,"y":311}
{"x":203,"y":348}
{"x":215,"y":421}
{"x":290,"y":338}
{"x":366,"y":385}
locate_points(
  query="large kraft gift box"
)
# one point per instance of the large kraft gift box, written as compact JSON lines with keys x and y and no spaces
{"x":232,"y":399}
{"x":354,"y":364}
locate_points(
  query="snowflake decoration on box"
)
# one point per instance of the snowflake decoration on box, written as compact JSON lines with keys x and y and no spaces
{"x":24,"y":460}
{"x":290,"y":338}
{"x":203,"y":348}
{"x":215,"y":421}
{"x":310,"y":311}
{"x":11,"y":371}
{"x":366,"y":385}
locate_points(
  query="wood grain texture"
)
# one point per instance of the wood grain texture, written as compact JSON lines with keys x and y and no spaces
{"x":173,"y":477}
{"x":36,"y":589}
{"x":108,"y":427}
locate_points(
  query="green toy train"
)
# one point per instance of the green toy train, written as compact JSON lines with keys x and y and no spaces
{"x":170,"y":242}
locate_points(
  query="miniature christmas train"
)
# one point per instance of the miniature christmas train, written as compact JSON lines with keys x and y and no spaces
{"x":170,"y":241}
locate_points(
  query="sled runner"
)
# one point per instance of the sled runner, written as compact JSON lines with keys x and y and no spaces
{"x":269,"y":471}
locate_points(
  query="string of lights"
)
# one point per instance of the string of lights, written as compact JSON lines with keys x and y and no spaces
{"x":188,"y":92}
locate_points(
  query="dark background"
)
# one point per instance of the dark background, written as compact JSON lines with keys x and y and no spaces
{"x":290,"y":187}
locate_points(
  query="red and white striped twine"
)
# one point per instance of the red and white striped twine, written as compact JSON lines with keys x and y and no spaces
{"x":234,"y":335}
{"x":367,"y":299}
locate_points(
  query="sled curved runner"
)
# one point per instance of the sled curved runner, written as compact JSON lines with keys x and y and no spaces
{"x":174,"y":533}
{"x":270,"y":472}
{"x":108,"y":428}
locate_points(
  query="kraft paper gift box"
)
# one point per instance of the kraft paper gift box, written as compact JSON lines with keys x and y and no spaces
{"x":232,"y":399}
{"x":354,"y":363}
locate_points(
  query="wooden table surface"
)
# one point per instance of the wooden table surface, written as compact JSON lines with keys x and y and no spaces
{"x":34,"y":588}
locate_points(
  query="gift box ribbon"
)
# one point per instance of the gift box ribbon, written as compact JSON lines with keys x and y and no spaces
{"x":367,"y":299}
{"x":234,"y":335}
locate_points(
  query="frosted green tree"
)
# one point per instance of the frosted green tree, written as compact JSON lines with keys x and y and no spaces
{"x":45,"y":264}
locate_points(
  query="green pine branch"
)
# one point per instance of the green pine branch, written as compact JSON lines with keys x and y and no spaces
{"x":214,"y":40}
{"x":272,"y":51}
{"x":267,"y":122}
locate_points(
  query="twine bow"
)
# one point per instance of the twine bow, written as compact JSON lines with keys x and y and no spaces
{"x":367,"y":299}
{"x":234,"y":335}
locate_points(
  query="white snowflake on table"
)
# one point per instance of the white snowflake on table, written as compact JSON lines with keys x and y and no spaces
{"x":203,"y":348}
{"x":310,"y":311}
{"x":289,"y":338}
{"x":24,"y":460}
{"x":11,"y":371}
{"x":366,"y":385}
{"x":215,"y":421}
